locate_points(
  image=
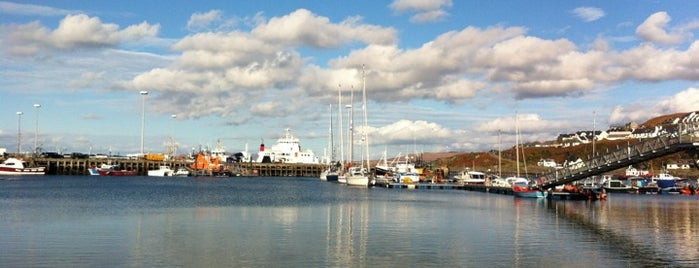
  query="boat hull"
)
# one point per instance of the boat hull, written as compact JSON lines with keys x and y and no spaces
{"x":22,"y":171}
{"x":14,"y":166}
{"x":358,"y":181}
{"x":331,"y":177}
{"x":118,"y":172}
{"x":524,"y":192}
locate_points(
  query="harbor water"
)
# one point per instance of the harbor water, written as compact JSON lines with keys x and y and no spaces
{"x":87,"y":221}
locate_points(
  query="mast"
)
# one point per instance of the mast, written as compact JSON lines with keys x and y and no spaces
{"x":339,"y":124}
{"x":499,"y":155}
{"x":351,"y":126}
{"x":517,"y":141}
{"x":330,"y":136}
{"x":364,"y":119}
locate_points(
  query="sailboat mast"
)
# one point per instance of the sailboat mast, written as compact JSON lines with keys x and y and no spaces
{"x":339,"y":124}
{"x":517,"y":141}
{"x":364,"y":120}
{"x":351,"y":126}
{"x":499,"y":155}
{"x":330,"y":135}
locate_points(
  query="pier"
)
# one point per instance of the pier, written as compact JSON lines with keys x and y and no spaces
{"x":77,"y":166}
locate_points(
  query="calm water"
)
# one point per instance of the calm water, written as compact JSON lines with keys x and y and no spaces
{"x":82,"y":221}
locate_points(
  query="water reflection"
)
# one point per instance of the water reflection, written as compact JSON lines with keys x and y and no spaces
{"x":76,"y":221}
{"x":649,"y":231}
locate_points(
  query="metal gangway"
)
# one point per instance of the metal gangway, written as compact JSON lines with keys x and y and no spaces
{"x":662,"y":145}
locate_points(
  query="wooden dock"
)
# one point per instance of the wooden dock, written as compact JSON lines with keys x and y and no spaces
{"x":75,"y":166}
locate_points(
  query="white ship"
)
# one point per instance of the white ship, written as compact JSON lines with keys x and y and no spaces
{"x":287,"y":150}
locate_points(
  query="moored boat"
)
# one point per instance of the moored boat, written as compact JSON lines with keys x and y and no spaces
{"x":112,"y":170}
{"x":181,"y":172}
{"x":287,"y":150}
{"x":162,"y":171}
{"x":15,"y":166}
{"x":470,"y":177}
{"x":358,"y":176}
{"x":408,"y":177}
{"x":616,"y":186}
{"x":521,"y":188}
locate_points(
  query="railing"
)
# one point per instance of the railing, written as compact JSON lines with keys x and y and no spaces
{"x":683,"y":139}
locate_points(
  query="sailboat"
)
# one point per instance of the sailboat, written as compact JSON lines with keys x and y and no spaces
{"x":330,"y":173}
{"x":520,"y":186}
{"x":359,"y":175}
{"x":341,"y":174}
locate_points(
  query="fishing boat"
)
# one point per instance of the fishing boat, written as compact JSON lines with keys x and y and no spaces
{"x":287,"y":150}
{"x":521,"y":188}
{"x":162,"y":171}
{"x":408,"y":177}
{"x":664,"y":180}
{"x":616,"y":186}
{"x":470,"y":177}
{"x":111,"y":170}
{"x":15,"y":166}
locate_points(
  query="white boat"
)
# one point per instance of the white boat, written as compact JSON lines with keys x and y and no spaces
{"x":181,"y":172}
{"x":162,"y":171}
{"x":358,"y":176}
{"x":111,"y":170}
{"x":498,"y":182}
{"x":470,"y":177}
{"x":15,"y":166}
{"x":408,"y":177}
{"x":287,"y":150}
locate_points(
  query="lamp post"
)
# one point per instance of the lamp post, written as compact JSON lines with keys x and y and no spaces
{"x":36,"y":132}
{"x":172,"y":150}
{"x":19,"y":133}
{"x":143,"y":115}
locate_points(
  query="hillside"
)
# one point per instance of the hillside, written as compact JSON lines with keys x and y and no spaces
{"x":488,"y":161}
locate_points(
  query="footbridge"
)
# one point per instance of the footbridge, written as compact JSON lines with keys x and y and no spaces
{"x":682,"y":140}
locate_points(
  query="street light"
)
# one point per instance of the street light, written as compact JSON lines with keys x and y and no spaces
{"x":19,"y":133}
{"x":36,"y":132}
{"x":143,"y":115}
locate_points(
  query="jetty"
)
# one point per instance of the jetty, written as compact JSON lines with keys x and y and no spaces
{"x":79,"y":166}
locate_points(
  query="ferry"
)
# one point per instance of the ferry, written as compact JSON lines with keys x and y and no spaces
{"x":287,"y":150}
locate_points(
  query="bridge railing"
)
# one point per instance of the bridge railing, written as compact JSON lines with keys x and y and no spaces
{"x":632,"y":153}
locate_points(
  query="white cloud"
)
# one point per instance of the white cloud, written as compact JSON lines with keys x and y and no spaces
{"x":589,"y":14}
{"x":29,"y":9}
{"x":425,"y":10}
{"x":74,"y":31}
{"x":684,"y":101}
{"x":407,"y":132}
{"x":428,"y":16}
{"x":200,"y":21}
{"x":653,"y":29}
{"x":303,"y":28}
{"x":453,"y":67}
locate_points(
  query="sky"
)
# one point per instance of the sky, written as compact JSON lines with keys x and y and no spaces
{"x":439,"y":75}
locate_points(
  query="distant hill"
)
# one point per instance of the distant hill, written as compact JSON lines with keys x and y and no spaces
{"x":488,"y":161}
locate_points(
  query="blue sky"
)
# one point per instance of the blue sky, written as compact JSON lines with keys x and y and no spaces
{"x":440,"y":75}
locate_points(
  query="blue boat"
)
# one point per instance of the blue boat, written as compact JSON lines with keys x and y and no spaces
{"x":520,"y":188}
